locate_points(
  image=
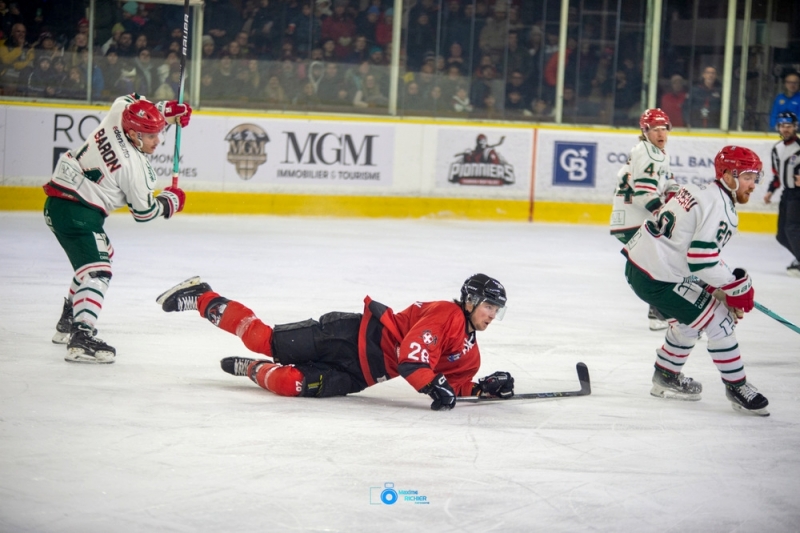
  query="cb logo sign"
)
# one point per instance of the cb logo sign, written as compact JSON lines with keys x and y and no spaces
{"x":574,"y":164}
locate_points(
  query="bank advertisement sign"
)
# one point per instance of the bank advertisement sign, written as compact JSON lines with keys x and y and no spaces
{"x":237,"y":153}
{"x":582,"y":166}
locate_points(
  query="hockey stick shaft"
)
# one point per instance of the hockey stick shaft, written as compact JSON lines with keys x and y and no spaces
{"x":776,"y":316}
{"x":583,"y":378}
{"x":176,"y":159}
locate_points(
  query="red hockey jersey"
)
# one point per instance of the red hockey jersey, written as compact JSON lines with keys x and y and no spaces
{"x":426,"y":339}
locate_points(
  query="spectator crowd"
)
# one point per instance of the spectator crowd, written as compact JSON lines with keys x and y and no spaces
{"x":457,"y":58}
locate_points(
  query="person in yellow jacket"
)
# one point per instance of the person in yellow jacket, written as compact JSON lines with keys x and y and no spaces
{"x":15,"y":56}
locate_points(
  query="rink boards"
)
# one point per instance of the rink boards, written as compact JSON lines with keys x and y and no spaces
{"x":251,"y":163}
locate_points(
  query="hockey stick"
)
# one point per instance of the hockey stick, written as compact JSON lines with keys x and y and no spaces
{"x":583,"y":378}
{"x":177,"y":155}
{"x":776,"y":316}
{"x":503,"y":138}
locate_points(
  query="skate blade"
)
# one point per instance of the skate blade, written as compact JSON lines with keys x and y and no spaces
{"x":658,"y":325}
{"x":754,"y":412}
{"x":194,"y":280}
{"x":669,"y":394}
{"x":793,"y":272}
{"x":99,"y":357}
{"x":60,"y":338}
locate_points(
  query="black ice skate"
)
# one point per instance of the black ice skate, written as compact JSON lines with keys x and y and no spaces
{"x":64,"y":324}
{"x":84,"y":347}
{"x":675,"y":386}
{"x":657,"y":321}
{"x":794,"y":269}
{"x":746,"y":398}
{"x":183,"y":296}
{"x":241,"y":366}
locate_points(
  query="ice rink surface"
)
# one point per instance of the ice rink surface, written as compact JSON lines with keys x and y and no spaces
{"x":164,"y":441}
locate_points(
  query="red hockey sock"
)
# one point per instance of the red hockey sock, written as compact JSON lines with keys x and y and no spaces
{"x":282,"y":380}
{"x":242,"y":322}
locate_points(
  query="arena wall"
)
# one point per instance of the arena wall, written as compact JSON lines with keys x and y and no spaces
{"x":262,"y":163}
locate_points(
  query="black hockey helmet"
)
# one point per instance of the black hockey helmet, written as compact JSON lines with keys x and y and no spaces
{"x":480,"y":288}
{"x":786,"y":117}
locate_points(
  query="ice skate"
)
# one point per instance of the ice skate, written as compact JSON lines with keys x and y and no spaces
{"x":746,"y":398}
{"x":675,"y":386}
{"x":64,"y":324}
{"x":84,"y":347}
{"x":794,"y":269}
{"x":657,"y":322}
{"x":241,"y":366}
{"x":183,"y":296}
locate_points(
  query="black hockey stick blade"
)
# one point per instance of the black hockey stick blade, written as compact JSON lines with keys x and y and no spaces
{"x":583,"y":378}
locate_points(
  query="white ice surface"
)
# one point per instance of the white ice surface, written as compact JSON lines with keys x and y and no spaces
{"x":164,"y":441}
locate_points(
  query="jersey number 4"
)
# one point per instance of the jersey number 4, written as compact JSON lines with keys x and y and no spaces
{"x":625,"y":190}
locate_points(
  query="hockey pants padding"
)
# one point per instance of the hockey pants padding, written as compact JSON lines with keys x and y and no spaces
{"x":326,"y":351}
{"x":239,"y":320}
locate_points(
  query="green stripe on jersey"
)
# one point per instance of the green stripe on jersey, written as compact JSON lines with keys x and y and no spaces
{"x":734,"y":347}
{"x":694,"y":267}
{"x":703,"y":244}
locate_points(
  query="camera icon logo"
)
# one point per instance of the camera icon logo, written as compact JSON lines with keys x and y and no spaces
{"x":383,"y":495}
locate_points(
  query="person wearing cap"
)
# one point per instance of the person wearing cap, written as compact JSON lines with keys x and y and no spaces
{"x":116,"y":33}
{"x":341,"y":28}
{"x":383,"y":29}
{"x":42,"y":81}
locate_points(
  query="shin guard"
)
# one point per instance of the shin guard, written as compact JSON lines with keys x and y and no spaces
{"x":281,"y":380}
{"x":235,"y":318}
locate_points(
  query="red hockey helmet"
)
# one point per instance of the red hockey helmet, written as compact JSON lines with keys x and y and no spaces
{"x":142,"y":116}
{"x":653,"y":118}
{"x":737,"y":159}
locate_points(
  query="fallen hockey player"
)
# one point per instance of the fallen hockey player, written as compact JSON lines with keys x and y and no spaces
{"x":431,"y":344}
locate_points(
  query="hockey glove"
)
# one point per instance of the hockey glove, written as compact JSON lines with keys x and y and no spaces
{"x":172,"y":200}
{"x":499,"y":384}
{"x":442,"y":393}
{"x":739,"y":294}
{"x":175,"y":113}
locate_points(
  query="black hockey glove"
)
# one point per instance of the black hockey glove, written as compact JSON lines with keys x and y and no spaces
{"x":442,"y":393}
{"x":499,"y":384}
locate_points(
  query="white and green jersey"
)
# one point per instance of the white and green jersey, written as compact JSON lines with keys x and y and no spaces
{"x":687,"y":237}
{"x":641,"y":187}
{"x":107,"y":172}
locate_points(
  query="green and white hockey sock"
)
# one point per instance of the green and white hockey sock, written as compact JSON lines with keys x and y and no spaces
{"x":88,"y":300}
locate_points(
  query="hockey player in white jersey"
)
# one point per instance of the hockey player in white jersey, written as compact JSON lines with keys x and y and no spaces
{"x":108,"y":171}
{"x":644,"y":184}
{"x":674,"y":264}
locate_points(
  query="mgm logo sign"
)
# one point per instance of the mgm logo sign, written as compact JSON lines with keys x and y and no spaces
{"x":246,"y":143}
